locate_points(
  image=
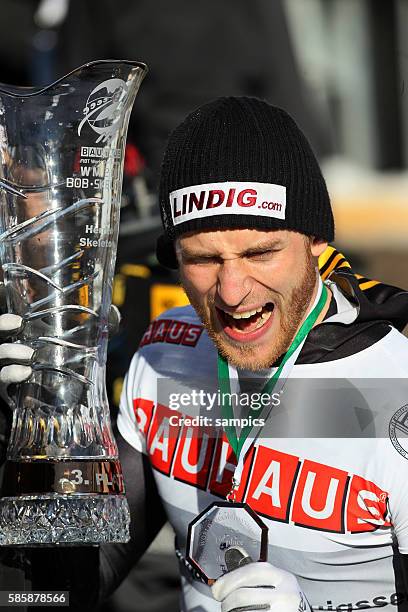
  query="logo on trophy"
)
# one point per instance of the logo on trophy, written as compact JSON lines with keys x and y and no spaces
{"x":59,"y":221}
{"x":103,"y":108}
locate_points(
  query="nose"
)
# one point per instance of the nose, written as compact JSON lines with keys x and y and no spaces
{"x":233,"y":283}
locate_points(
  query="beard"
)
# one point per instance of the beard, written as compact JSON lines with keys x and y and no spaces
{"x":292,"y":310}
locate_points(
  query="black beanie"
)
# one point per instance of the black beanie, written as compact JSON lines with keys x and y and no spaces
{"x":247,"y":165}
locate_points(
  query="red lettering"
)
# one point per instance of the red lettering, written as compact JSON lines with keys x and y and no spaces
{"x":213,"y":193}
{"x":143,"y":410}
{"x":319,"y":497}
{"x":184,"y":203}
{"x":162,"y":439}
{"x":176,"y":212}
{"x":366,"y":507}
{"x":194,"y":201}
{"x":193,"y":457}
{"x":147,"y":336}
{"x":271,"y":205}
{"x":271,"y":483}
{"x":162,"y":326}
{"x":175,"y":332}
{"x":249,"y":201}
{"x":230,"y":199}
{"x":192,"y":335}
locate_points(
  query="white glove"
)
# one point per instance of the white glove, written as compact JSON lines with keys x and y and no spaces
{"x":15,"y":358}
{"x":259,"y":586}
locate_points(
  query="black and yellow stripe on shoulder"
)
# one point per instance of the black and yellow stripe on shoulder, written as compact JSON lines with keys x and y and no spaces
{"x":331,"y":260}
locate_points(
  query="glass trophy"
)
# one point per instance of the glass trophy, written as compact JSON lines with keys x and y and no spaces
{"x":224,"y":537}
{"x":61,"y":164}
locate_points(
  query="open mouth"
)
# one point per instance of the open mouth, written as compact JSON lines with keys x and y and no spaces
{"x":245,"y":322}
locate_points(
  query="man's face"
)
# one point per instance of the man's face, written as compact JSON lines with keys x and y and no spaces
{"x":251,"y":289}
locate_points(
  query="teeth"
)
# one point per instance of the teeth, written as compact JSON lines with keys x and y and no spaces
{"x":250,"y":313}
{"x":263,"y":319}
{"x":244,"y":315}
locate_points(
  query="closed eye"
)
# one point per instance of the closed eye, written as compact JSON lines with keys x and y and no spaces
{"x":260,"y":255}
{"x":200,"y":259}
{"x":251,"y":255}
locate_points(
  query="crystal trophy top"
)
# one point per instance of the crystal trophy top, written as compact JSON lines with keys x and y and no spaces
{"x":61,"y":165}
{"x":223,"y":527}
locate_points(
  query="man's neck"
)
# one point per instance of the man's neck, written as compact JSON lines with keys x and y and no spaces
{"x":319,"y":319}
{"x":325,"y":308}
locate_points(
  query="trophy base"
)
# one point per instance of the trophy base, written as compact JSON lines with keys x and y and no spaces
{"x":64,"y":519}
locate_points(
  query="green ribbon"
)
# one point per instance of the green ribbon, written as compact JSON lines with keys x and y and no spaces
{"x":224,"y":380}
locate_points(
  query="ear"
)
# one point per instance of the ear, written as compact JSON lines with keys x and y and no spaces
{"x":317,"y":246}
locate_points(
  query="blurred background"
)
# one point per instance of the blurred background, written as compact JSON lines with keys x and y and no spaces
{"x":340,"y":67}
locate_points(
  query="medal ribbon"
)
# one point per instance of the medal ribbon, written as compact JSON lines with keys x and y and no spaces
{"x":240,"y":445}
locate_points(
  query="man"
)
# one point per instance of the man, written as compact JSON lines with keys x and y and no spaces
{"x":246,"y":217}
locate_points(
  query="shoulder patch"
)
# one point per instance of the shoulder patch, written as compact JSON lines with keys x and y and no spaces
{"x":172,"y":331}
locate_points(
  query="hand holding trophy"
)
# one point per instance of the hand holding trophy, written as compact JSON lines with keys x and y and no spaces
{"x":61,"y":166}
